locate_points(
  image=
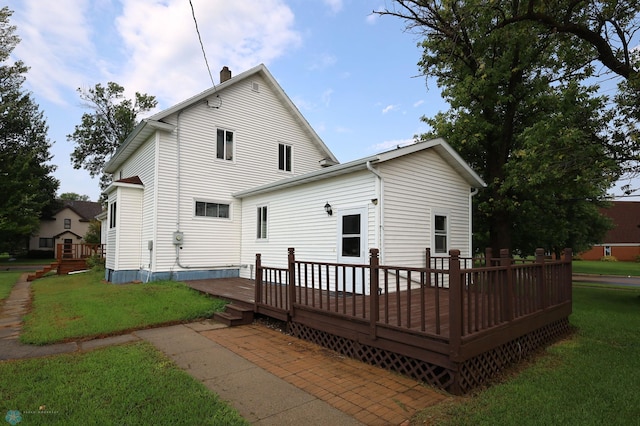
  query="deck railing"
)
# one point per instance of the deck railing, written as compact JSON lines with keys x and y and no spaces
{"x":79,"y":251}
{"x":450,"y":299}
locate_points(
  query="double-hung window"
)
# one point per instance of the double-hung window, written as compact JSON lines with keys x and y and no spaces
{"x":440,"y":233}
{"x":207,"y":209}
{"x":224,"y":145}
{"x":46,"y":242}
{"x":67,"y":224}
{"x":261,"y":233}
{"x":284,"y":157}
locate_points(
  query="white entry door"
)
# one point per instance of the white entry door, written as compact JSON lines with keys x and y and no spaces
{"x":352,"y":247}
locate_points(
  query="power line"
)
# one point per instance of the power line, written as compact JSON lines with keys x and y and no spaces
{"x":193,"y":13}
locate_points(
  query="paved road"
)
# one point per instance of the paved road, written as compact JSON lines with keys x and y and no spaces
{"x":608,"y":279}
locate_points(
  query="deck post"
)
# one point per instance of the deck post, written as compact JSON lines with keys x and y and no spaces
{"x":258,"y":286}
{"x":292,"y":279}
{"x":455,"y":305}
{"x":427,"y":265}
{"x":374,"y":295}
{"x":543,"y":296}
{"x":507,"y":305}
{"x":488,"y":254}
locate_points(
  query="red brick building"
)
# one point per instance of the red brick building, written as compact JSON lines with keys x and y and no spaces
{"x":623,"y":241}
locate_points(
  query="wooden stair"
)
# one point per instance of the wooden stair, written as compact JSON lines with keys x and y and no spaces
{"x":40,"y":273}
{"x":235,"y":314}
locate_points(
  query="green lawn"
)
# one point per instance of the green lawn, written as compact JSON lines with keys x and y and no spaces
{"x":606,"y":268}
{"x":7,"y":280}
{"x":82,"y":305}
{"x":120,"y":385}
{"x":589,"y":379}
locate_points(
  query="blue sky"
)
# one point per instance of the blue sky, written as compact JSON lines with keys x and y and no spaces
{"x":352,"y":74}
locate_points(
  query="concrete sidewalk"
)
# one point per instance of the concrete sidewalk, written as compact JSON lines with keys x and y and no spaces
{"x":269,"y":377}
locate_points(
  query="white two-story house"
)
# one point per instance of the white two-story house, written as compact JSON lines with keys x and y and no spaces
{"x":201,"y":187}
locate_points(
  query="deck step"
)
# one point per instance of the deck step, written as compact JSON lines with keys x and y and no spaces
{"x":235,"y":315}
{"x":42,"y":272}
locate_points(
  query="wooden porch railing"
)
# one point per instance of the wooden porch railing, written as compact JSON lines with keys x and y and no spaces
{"x":79,"y":251}
{"x":470,"y":308}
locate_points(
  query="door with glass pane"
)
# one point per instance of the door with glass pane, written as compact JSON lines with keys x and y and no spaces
{"x":352,"y":243}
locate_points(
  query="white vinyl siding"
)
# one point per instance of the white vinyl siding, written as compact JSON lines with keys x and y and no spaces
{"x":297,"y":218}
{"x":249,"y":115}
{"x":417,"y":187}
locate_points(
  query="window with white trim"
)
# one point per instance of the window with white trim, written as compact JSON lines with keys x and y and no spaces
{"x":261,"y":233}
{"x":607,"y":250}
{"x":207,"y":209}
{"x":440,"y":233}
{"x":112,"y":215}
{"x":284,"y":157}
{"x":224,"y":145}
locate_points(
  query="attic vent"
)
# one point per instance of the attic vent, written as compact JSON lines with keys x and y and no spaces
{"x":255,"y":87}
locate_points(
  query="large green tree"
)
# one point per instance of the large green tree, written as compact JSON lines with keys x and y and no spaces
{"x":27,"y":187}
{"x":523,"y":116}
{"x":102,"y":131}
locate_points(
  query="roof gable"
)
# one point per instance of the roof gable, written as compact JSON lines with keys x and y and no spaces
{"x":87,"y":210}
{"x":155,"y":123}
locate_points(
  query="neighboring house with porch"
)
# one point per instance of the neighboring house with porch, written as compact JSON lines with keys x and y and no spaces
{"x":200,"y":188}
{"x":68,"y":225}
{"x":623,"y":240}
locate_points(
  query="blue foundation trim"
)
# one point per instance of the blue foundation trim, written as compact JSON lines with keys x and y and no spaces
{"x":127,"y":276}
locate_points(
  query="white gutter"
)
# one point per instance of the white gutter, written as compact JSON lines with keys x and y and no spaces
{"x":379,"y":211}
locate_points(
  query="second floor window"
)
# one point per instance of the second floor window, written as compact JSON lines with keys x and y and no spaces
{"x":112,"y":215}
{"x":224,"y":145}
{"x":67,"y":224}
{"x":284,"y":157}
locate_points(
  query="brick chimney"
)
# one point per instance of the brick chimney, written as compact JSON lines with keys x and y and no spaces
{"x":225,"y":74}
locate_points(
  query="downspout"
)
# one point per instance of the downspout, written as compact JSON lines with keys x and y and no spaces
{"x":379,"y":209}
{"x":473,"y":192}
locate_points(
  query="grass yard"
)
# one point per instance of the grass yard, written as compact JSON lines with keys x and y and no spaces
{"x":7,"y":280}
{"x":79,"y":306}
{"x":125,"y":385}
{"x":606,"y":268}
{"x":590,"y":379}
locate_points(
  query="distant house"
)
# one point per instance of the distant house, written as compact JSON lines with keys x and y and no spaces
{"x":67,"y":226}
{"x":623,"y":240}
{"x":200,"y":188}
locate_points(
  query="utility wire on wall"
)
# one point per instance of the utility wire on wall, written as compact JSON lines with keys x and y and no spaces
{"x":193,"y":13}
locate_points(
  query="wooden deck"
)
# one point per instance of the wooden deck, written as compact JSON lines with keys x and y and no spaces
{"x":449,"y":326}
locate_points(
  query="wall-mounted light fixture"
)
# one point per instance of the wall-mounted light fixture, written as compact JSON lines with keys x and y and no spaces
{"x":328,"y":209}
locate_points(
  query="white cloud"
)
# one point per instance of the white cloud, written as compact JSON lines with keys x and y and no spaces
{"x":52,"y":34}
{"x":392,"y":144}
{"x":418,"y":103}
{"x":389,"y":108}
{"x":165,"y":57}
{"x":148,"y":46}
{"x":334,"y":5}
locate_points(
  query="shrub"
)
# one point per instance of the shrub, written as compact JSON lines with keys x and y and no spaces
{"x":608,"y":259}
{"x":638,"y":258}
{"x":95,"y":262}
